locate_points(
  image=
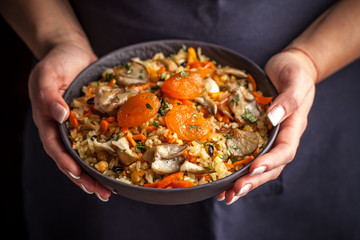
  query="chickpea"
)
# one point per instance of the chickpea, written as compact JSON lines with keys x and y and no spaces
{"x":102,"y":155}
{"x":101,"y":166}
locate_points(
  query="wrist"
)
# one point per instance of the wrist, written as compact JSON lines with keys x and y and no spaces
{"x":306,"y":60}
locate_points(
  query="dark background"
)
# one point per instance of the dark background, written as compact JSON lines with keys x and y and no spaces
{"x":16,"y":62}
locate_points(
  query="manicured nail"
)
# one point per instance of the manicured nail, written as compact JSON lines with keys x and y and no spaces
{"x":276,"y":114}
{"x":102,"y":199}
{"x":235,"y":198}
{"x":221,"y":199}
{"x":58,"y":112}
{"x":73,"y":175}
{"x":244,"y":190}
{"x":258,"y":170}
{"x":85,"y":190}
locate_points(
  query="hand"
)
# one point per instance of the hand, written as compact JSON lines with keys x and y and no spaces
{"x":47,"y":83}
{"x":293,"y":75}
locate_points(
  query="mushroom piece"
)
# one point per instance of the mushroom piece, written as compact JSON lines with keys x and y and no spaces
{"x":103,"y":146}
{"x":131,"y":73}
{"x":165,"y":158}
{"x":231,"y":71}
{"x":126,"y":156}
{"x":240,"y":100}
{"x":108,"y":99}
{"x":243,"y":142}
{"x":207,"y":102}
{"x":170,"y":65}
{"x":194,"y":168}
{"x":87,"y":127}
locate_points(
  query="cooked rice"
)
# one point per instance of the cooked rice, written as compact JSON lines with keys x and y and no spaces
{"x":140,"y":172}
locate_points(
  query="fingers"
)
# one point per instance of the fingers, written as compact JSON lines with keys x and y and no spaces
{"x":249,"y":182}
{"x":56,"y":150}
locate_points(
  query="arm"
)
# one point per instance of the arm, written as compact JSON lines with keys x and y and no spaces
{"x":331,"y":42}
{"x":52,"y":32}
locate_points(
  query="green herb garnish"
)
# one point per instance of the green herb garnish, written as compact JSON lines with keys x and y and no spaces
{"x":249,"y":116}
{"x":236,"y":99}
{"x":140,"y":147}
{"x":184,"y":74}
{"x":149,"y":106}
{"x":155,"y":124}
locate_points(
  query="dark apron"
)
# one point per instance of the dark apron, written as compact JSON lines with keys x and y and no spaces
{"x":316,"y":197}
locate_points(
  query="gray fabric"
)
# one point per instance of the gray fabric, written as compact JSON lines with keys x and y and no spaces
{"x":317,"y":195}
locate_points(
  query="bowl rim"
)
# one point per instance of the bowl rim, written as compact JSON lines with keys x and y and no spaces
{"x":236,"y":175}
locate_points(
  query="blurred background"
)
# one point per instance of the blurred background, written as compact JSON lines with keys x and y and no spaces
{"x":16,"y":62}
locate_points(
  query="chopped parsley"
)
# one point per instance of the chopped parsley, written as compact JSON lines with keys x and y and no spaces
{"x":149,"y":106}
{"x":236,"y":99}
{"x":140,"y":147}
{"x":184,"y":74}
{"x":249,"y":116}
{"x":109,"y":77}
{"x":128,"y":68}
{"x":163,"y":109}
{"x":155,"y":124}
{"x":228,"y":136}
{"x":162,"y":77}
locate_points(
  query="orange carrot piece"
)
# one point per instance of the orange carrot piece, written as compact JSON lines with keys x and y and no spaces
{"x":73,"y":120}
{"x":229,"y":165}
{"x":187,"y":102}
{"x":140,"y":137}
{"x":111,"y":119}
{"x":243,"y":162}
{"x":192,"y":56}
{"x":215,"y":95}
{"x":261,"y":99}
{"x":104,"y":126}
{"x":90,"y":92}
{"x":257,"y":152}
{"x":131,"y":140}
{"x":251,"y":80}
{"x":182,"y":184}
{"x":151,"y":128}
{"x":170,"y":179}
{"x":152,"y":185}
{"x":192,"y":159}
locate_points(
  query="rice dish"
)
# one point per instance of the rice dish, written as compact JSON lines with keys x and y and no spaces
{"x":170,"y":121}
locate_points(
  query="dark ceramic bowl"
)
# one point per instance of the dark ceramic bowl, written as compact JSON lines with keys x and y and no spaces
{"x":147,"y":50}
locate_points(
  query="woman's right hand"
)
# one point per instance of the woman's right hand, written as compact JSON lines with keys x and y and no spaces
{"x":48,"y":81}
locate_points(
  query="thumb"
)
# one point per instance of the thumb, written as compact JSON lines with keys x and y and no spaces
{"x":58,"y":112}
{"x":293,"y":84}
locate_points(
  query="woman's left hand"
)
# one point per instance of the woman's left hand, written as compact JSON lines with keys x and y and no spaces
{"x":293,"y":74}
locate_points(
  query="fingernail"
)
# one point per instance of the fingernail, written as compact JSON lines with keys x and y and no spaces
{"x":102,"y":199}
{"x":73,"y":175}
{"x":276,"y":114}
{"x":244,"y":190}
{"x":58,"y":112}
{"x":235,"y":198}
{"x":221,"y":199}
{"x":258,"y":170}
{"x":85,"y":190}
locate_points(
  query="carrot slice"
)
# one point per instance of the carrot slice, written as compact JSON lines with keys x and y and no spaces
{"x":104,"y":126}
{"x":251,"y":80}
{"x":170,"y":179}
{"x":182,"y":184}
{"x":261,"y":99}
{"x":140,"y":137}
{"x":152,"y":185}
{"x":192,"y":56}
{"x":73,"y":120}
{"x":243,"y":162}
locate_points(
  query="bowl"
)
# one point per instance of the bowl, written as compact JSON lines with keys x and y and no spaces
{"x":146,"y":50}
